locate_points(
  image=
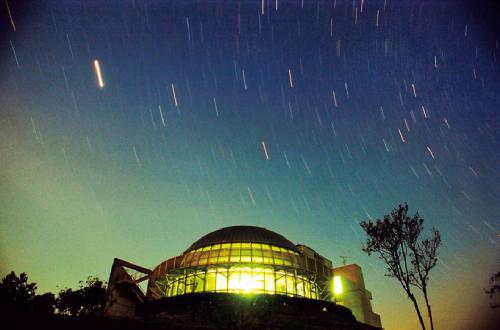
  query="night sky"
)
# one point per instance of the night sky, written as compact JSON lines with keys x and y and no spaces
{"x":302,"y":117}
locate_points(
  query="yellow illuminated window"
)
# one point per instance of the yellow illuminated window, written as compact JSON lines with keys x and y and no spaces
{"x":210,"y":282}
{"x":280,"y":283}
{"x":267,"y":253}
{"x":266,"y":247}
{"x":257,"y":259}
{"x":245,"y":245}
{"x":189,"y":284}
{"x":257,"y":252}
{"x":198,"y":283}
{"x":337,"y":285}
{"x":269,"y":281}
{"x":204,"y":254}
{"x":234,"y":281}
{"x":256,"y":246}
{"x":180,"y":287}
{"x":226,"y":245}
{"x":223,"y":259}
{"x":236,"y":246}
{"x":275,"y":248}
{"x":221,"y":281}
{"x":290,"y":284}
{"x":300,"y":288}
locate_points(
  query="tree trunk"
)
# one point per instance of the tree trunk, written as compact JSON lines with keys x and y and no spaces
{"x":415,"y":304}
{"x":428,"y":307}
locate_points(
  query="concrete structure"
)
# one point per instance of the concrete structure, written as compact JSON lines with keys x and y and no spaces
{"x":239,"y":260}
{"x":349,"y":290}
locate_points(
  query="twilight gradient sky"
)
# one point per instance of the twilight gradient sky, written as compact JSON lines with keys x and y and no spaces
{"x":361,"y":105}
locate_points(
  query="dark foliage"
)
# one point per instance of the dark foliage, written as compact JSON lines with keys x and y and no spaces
{"x":18,"y":296}
{"x":88,"y":299}
{"x":409,"y":259}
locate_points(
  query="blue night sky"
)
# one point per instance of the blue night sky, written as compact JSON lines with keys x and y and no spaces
{"x":302,"y":117}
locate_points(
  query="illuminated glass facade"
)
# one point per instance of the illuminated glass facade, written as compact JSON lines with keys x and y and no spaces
{"x":255,"y":253}
{"x":242,"y":260}
{"x":241,"y":268}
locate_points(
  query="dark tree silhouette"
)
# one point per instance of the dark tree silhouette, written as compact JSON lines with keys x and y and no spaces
{"x":395,"y":239}
{"x":88,"y":299}
{"x":16,"y":294}
{"x":69,"y":302}
{"x":18,"y":297}
{"x":44,"y":304}
{"x":494,"y":288}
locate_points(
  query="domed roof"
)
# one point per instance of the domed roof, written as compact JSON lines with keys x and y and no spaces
{"x":243,"y":234}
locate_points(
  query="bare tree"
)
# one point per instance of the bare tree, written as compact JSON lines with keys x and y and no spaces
{"x":395,"y":239}
{"x":493,"y":289}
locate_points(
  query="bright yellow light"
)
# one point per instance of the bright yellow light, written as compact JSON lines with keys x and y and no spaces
{"x":247,"y":283}
{"x":337,"y":285}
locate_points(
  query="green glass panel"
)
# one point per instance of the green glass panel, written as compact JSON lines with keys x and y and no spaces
{"x":223,"y":259}
{"x":224,"y":252}
{"x":300,"y":288}
{"x":290,"y":284}
{"x":269,"y":281}
{"x":268,"y":260}
{"x":280,"y":283}
{"x":210,"y":282}
{"x":257,"y":252}
{"x":199,"y":280}
{"x":258,"y":260}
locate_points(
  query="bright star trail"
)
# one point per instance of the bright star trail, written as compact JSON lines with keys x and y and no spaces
{"x":97,"y":68}
{"x":130,"y":128}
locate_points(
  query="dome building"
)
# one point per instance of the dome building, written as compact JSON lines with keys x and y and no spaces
{"x":242,"y":259}
{"x":229,"y":262}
